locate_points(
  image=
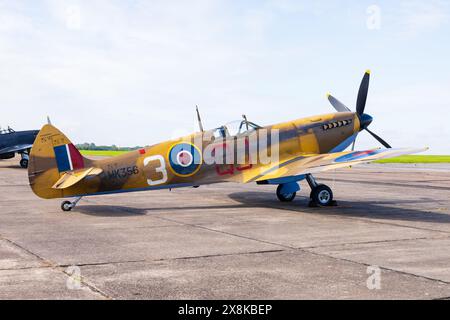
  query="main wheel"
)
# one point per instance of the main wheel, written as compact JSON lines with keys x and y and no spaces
{"x":285,"y":197}
{"x":24,"y":163}
{"x":66,"y":206}
{"x":322,"y":195}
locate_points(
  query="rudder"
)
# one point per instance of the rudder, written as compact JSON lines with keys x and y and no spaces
{"x":51,"y":156}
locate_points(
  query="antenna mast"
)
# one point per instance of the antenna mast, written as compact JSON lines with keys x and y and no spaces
{"x":246,"y":121}
{"x":199,"y":119}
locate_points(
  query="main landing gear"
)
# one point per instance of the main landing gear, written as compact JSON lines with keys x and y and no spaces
{"x":321,"y":195}
{"x":69,"y":205}
{"x":24,"y":161}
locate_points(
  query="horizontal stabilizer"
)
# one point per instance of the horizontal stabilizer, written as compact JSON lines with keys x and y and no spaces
{"x":71,"y":178}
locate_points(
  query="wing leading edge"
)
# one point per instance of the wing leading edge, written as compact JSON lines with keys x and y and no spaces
{"x":16,"y":148}
{"x":315,"y":163}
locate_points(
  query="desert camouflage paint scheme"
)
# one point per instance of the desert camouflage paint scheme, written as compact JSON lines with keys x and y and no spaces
{"x":282,"y":154}
{"x":308,"y":145}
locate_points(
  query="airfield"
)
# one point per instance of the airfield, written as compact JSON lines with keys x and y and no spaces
{"x":230,"y":241}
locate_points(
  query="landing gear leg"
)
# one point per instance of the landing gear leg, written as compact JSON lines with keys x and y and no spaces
{"x":69,"y":205}
{"x":321,"y":195}
{"x":24,"y":160}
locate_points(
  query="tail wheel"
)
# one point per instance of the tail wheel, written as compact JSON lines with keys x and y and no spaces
{"x":285,"y":197}
{"x":322,"y":195}
{"x":24,"y":163}
{"x":66,"y":206}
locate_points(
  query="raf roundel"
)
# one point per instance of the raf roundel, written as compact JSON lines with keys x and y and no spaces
{"x":357,"y":155}
{"x":185,"y":159}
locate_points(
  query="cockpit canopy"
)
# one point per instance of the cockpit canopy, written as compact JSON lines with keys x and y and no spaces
{"x":6,"y":131}
{"x":235,"y":128}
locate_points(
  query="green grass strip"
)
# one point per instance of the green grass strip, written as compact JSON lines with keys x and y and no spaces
{"x":417,"y":159}
{"x":101,"y":153}
{"x":401,"y":159}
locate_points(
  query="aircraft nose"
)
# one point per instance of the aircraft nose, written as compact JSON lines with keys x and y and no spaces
{"x":365,"y":120}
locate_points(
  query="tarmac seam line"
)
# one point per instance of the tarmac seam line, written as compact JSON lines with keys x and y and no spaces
{"x":51,"y":265}
{"x":223,"y":255}
{"x":25,"y":268}
{"x":227,"y":233}
{"x":99,"y":263}
{"x":45,"y":261}
{"x":308,"y":251}
{"x":170,"y":259}
{"x":363,"y":219}
{"x":381,"y":267}
{"x":315,"y":253}
{"x":397,"y":225}
{"x":372,"y":242}
{"x":84,"y":281}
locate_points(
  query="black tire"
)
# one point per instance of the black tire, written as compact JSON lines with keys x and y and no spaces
{"x":322,"y":195}
{"x":285,"y":197}
{"x":24,"y":163}
{"x":66,"y":206}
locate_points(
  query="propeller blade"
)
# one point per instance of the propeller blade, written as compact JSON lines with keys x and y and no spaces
{"x":362,"y":93}
{"x":384,"y":143}
{"x":339,"y":106}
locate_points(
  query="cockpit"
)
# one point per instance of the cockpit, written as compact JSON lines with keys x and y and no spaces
{"x":6,"y":131}
{"x":235,"y":128}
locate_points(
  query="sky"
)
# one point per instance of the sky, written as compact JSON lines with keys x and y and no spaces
{"x":131,"y":72}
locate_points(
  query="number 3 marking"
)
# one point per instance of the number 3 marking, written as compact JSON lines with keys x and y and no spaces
{"x":160,"y":169}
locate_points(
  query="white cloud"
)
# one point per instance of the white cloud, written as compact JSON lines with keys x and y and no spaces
{"x":411,"y":116}
{"x":416,"y":17}
{"x":130,"y":73}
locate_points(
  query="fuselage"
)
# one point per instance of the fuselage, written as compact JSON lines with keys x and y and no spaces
{"x":13,"y":138}
{"x":184,"y":162}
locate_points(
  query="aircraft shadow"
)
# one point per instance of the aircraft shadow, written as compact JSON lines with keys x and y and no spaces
{"x":109,"y":211}
{"x":12,"y":166}
{"x":123,"y":211}
{"x":385,"y":210}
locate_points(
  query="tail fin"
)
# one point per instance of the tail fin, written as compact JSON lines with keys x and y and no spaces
{"x":51,"y":156}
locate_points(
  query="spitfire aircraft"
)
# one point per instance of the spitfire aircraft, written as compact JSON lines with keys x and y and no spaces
{"x":291,"y":152}
{"x":12,"y":142}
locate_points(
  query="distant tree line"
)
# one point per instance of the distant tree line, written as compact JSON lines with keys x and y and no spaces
{"x":92,"y":146}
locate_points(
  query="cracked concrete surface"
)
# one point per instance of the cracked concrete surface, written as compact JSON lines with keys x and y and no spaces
{"x":232,"y":241}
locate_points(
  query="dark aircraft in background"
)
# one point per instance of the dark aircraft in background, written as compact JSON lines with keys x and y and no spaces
{"x":12,"y":142}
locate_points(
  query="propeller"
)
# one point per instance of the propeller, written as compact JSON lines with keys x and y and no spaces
{"x":364,"y":119}
{"x":378,"y":138}
{"x":362,"y":93}
{"x":339,"y":106}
